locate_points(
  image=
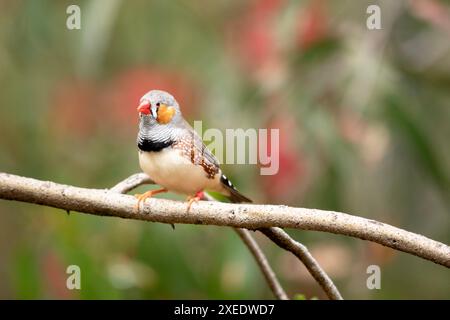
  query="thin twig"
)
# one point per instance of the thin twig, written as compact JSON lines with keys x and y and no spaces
{"x":249,"y":216}
{"x":138,"y":179}
{"x":277,"y":235}
{"x":132,"y":182}
{"x":283,"y":240}
{"x":263,"y":264}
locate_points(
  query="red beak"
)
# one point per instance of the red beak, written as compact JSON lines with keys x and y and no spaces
{"x":144,"y":107}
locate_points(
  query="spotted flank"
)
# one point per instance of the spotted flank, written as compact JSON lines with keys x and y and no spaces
{"x":194,"y":149}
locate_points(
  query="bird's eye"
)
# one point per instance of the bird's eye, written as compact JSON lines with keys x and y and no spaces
{"x":158,"y":104}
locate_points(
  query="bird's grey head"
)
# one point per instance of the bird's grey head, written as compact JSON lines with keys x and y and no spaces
{"x":159,"y":107}
{"x":160,"y":117}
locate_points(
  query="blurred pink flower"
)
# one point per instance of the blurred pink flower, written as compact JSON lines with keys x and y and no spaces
{"x":122,"y":95}
{"x":55,"y":277}
{"x":379,"y":254}
{"x":71,"y":108}
{"x":80,"y":108}
{"x":372,"y":140}
{"x":254,"y":38}
{"x":351,"y":125}
{"x":432,"y":11}
{"x":312,"y":24}
{"x":284,"y":185}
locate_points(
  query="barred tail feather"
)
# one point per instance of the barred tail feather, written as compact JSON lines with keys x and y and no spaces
{"x":234,"y":195}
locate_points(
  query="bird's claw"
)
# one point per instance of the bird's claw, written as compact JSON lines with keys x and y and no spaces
{"x":142,"y":197}
{"x":198,"y":196}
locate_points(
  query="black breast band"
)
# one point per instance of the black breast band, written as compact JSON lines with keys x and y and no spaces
{"x":151,"y":145}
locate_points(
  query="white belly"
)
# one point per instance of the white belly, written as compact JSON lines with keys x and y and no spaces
{"x":171,"y":170}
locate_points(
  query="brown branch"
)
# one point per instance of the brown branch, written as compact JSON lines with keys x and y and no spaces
{"x":277,"y":235}
{"x":132,"y":182}
{"x":249,"y":216}
{"x":282,"y":239}
{"x":263,"y":264}
{"x":138,"y":179}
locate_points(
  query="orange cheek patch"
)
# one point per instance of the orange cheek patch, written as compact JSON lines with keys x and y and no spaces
{"x":165,"y":114}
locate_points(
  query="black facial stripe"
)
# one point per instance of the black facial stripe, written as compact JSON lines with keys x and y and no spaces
{"x":151,"y":145}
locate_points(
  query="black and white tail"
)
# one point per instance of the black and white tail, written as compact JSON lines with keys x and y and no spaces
{"x":235,"y":196}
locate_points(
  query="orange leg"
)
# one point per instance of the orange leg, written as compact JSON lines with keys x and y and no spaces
{"x":197,"y":197}
{"x":141,"y":197}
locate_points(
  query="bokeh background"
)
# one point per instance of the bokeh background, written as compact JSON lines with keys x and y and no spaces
{"x":364,"y":129}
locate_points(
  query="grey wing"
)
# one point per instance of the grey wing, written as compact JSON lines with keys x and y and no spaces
{"x":201,"y":155}
{"x":198,"y":152}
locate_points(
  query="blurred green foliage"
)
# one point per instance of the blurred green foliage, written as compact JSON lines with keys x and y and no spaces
{"x":364,"y":127}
